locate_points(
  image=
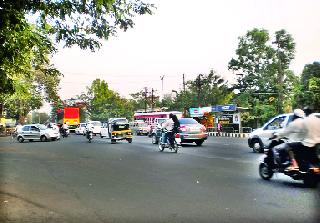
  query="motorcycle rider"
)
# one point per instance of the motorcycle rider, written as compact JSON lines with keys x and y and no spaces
{"x":171,"y":126}
{"x":65,"y":128}
{"x":304,"y":134}
{"x":89,"y":128}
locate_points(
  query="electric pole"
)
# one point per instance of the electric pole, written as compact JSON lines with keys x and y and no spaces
{"x":145,"y":99}
{"x":199,"y":84}
{"x":183,"y":83}
{"x":152,"y":99}
{"x":161,"y":77}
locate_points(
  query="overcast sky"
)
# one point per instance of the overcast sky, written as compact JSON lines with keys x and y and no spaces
{"x":187,"y":37}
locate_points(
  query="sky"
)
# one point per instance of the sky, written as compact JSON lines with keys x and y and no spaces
{"x":187,"y":37}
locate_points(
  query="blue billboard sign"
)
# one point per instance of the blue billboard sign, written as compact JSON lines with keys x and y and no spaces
{"x":221,"y":108}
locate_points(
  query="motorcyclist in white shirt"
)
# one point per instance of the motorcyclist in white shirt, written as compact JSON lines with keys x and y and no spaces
{"x":166,"y":126}
{"x":89,"y":127}
{"x":171,"y":127}
{"x":303,"y":133}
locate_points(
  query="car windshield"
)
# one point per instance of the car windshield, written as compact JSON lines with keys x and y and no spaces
{"x":160,"y":121}
{"x":188,"y":121}
{"x":120,"y":120}
{"x":96,"y":123}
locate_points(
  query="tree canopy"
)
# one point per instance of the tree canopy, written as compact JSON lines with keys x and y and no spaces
{"x":308,"y":91}
{"x":262,"y":68}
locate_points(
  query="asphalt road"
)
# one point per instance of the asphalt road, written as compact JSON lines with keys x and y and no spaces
{"x":73,"y":181}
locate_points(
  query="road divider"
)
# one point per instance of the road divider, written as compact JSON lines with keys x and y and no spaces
{"x":226,"y":134}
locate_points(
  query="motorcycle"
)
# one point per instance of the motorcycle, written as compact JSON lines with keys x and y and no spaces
{"x":167,"y":144}
{"x":64,"y":132}
{"x":89,"y":135}
{"x":277,"y":160}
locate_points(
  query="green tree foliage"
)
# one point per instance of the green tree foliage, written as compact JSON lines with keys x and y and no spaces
{"x":76,"y":22}
{"x":262,"y":66}
{"x":308,"y":91}
{"x":104,"y":103}
{"x":24,"y":47}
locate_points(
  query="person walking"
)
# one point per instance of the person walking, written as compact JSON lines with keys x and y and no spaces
{"x":219,"y":129}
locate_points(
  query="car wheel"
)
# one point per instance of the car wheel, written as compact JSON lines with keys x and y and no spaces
{"x":43,"y":138}
{"x":20,"y":139}
{"x":257,"y":148}
{"x":199,"y":143}
{"x":154,"y":139}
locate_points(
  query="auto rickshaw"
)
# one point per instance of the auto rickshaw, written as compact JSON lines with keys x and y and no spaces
{"x":117,"y":129}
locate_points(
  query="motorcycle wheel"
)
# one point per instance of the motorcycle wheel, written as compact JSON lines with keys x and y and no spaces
{"x":175,"y":147}
{"x":90,"y":140}
{"x":161,"y":147}
{"x":154,"y":139}
{"x":265,"y":172}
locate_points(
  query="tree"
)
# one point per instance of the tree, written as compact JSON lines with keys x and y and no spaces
{"x":103,"y":103}
{"x":205,"y":90}
{"x":77,"y":22}
{"x":308,"y":91}
{"x":73,"y":22}
{"x":262,"y":65}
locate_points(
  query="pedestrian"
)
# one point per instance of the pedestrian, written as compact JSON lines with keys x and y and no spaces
{"x":219,"y":129}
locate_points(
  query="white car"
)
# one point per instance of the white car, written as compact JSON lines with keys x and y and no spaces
{"x":96,"y":127}
{"x":81,"y":129}
{"x":37,"y":132}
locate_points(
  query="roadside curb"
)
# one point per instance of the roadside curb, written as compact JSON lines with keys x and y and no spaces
{"x":233,"y":135}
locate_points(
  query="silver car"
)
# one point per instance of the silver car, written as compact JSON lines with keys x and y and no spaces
{"x":36,"y":132}
{"x":192,"y":131}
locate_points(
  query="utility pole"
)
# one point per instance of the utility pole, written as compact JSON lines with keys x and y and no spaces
{"x":184,"y":83}
{"x":161,"y":77}
{"x":199,"y":84}
{"x":184,"y":95}
{"x":145,"y":99}
{"x":152,"y":99}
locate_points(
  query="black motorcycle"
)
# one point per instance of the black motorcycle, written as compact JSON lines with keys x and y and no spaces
{"x":277,"y":160}
{"x":89,"y":135}
{"x":64,"y":132}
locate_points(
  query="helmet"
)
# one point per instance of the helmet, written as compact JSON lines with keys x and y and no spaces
{"x":299,"y":113}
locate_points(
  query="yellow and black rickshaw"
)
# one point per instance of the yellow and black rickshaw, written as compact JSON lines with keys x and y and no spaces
{"x":117,"y":129}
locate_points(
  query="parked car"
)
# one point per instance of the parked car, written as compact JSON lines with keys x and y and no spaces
{"x":37,"y":132}
{"x":190,"y":131}
{"x":81,"y":129}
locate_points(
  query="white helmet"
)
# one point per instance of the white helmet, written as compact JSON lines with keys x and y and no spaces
{"x":299,"y":113}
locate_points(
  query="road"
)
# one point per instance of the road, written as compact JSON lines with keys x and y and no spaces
{"x":73,"y":181}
